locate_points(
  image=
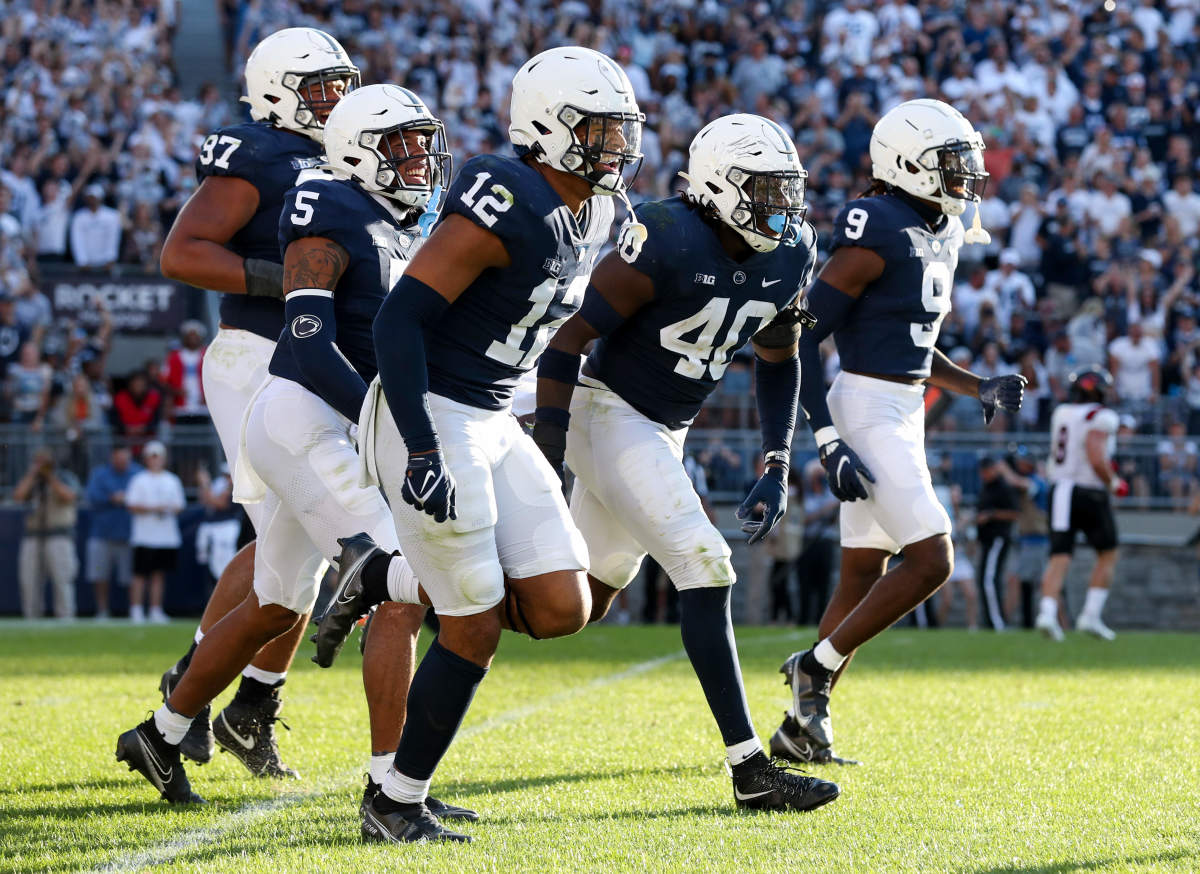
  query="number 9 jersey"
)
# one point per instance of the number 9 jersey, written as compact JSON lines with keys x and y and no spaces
{"x":894,"y":324}
{"x":498,"y":327}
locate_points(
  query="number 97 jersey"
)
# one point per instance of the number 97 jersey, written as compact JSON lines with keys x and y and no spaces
{"x":894,"y":324}
{"x":496,"y":330}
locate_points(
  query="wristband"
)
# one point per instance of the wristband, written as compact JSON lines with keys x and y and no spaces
{"x":778,"y":456}
{"x":826,"y":435}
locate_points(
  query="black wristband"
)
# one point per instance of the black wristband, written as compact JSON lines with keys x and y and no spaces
{"x":263,"y":278}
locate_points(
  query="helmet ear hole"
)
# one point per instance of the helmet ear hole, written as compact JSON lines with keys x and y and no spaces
{"x":541,"y":128}
{"x":352,"y":161}
{"x":713,"y":188}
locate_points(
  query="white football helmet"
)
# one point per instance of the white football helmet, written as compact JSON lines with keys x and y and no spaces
{"x":746,"y":169}
{"x":556,"y":92}
{"x":284,"y":66}
{"x":370,"y":136}
{"x":928,"y":149}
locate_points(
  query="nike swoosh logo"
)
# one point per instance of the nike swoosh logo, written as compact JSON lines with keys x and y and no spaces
{"x":248,"y":743}
{"x":838,"y":474}
{"x":772,"y":282}
{"x":746,"y":796}
{"x":161,"y":775}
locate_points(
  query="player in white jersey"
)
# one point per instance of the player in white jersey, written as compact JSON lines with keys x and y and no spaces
{"x":1081,"y":475}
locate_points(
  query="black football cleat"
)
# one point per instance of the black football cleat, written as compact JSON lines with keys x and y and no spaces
{"x":197,"y":744}
{"x":246,"y":730}
{"x":348,"y":603}
{"x":810,"y":699}
{"x":773,"y":785}
{"x":405,"y":824}
{"x":793,"y":743}
{"x":146,"y":751}
{"x":440,"y":809}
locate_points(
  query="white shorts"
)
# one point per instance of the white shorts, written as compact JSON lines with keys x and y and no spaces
{"x":512,"y":518}
{"x":300,"y":449}
{"x":632,"y":496}
{"x":884,"y":422}
{"x":235,"y":365}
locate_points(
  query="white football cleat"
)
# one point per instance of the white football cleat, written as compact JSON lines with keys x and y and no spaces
{"x":1095,"y":626}
{"x":1049,"y":627}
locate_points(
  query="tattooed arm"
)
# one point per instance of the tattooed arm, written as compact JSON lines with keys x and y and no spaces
{"x":312,"y":267}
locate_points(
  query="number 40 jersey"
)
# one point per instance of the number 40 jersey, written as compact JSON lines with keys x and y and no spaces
{"x":498,"y":327}
{"x":894,"y":324}
{"x":669,"y":355}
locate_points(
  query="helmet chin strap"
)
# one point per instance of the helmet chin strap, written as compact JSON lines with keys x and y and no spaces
{"x":636,"y":231}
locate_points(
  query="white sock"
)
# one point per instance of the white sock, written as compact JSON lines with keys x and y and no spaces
{"x":171,"y":725}
{"x":377,"y":766}
{"x":198,"y":636}
{"x":1094,"y":603}
{"x":268,"y":677}
{"x":829,"y":657}
{"x":738,"y":753}
{"x":402,"y":582}
{"x":1049,"y":606}
{"x":406,"y":790}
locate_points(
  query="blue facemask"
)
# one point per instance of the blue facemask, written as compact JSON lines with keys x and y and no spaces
{"x":788,"y":228}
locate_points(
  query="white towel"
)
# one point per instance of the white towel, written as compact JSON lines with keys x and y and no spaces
{"x":248,"y":487}
{"x":368,"y":473}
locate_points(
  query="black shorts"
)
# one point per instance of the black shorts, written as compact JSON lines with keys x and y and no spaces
{"x":148,"y":559}
{"x":1079,"y":508}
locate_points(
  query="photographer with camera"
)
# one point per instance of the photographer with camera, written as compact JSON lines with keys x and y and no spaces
{"x":48,"y":547}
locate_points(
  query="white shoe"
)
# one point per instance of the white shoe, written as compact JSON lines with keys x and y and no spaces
{"x":1049,"y":627}
{"x":1094,"y":626}
{"x":137,"y":614}
{"x":158,"y":617}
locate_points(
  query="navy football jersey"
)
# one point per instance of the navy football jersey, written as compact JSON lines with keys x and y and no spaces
{"x":669,"y":355}
{"x":379,"y":249}
{"x":270,"y":159}
{"x":894,"y":324}
{"x":498,"y":327}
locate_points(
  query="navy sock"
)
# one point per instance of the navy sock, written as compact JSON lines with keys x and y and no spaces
{"x":250,"y":690}
{"x":708,"y":638}
{"x":441,"y":692}
{"x":374,"y":579}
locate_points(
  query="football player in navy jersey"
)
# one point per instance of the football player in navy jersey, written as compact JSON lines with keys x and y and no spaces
{"x":722,"y":265}
{"x":347,"y":231}
{"x":476,"y":505}
{"x":883,"y":294}
{"x":226,"y":239}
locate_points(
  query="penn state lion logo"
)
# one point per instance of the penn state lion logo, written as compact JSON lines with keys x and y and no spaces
{"x":305,"y":326}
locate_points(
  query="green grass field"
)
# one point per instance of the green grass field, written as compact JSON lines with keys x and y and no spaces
{"x":982,"y":753}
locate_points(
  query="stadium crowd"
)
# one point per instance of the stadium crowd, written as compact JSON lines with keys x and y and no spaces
{"x":1090,"y":118}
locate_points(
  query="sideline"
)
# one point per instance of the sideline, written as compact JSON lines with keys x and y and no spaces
{"x":248,"y":813}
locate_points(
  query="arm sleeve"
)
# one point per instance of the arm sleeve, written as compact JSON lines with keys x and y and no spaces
{"x":400,"y":328}
{"x":777,"y":386}
{"x":309,"y":315}
{"x":829,"y":307}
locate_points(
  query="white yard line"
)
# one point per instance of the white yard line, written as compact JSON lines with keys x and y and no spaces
{"x":255,"y":810}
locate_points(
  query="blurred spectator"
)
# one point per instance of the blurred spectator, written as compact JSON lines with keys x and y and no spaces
{"x":1183,"y":203}
{"x":994,"y":516}
{"x":138,"y":409}
{"x":79,"y":417}
{"x":155,"y":498}
{"x":1025,"y":576}
{"x":12,"y":338}
{"x":28,"y":388}
{"x":48,"y":547}
{"x":814,"y":567}
{"x":217,"y":535}
{"x":784,"y":546}
{"x":962,"y":576}
{"x":181,"y":376}
{"x":1011,"y":290}
{"x":1134,"y":364}
{"x":95,"y":231}
{"x":1177,"y":462}
{"x":108,"y":551}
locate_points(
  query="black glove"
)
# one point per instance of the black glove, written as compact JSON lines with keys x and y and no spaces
{"x":429,"y":486}
{"x":771,"y":492}
{"x":842,"y":468}
{"x":551,"y":438}
{"x":263,"y":278}
{"x":1005,"y":392}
